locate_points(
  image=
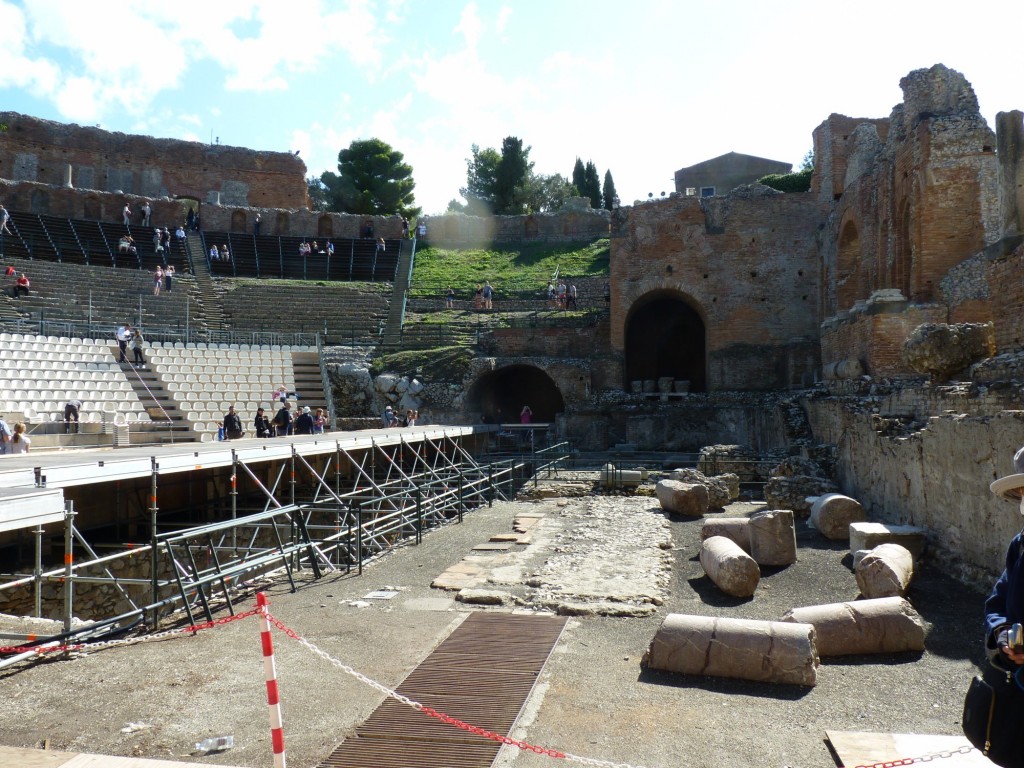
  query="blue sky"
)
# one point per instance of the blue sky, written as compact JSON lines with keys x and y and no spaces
{"x":641,"y":88}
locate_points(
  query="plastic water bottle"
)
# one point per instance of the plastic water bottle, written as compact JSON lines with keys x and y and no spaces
{"x":216,"y":744}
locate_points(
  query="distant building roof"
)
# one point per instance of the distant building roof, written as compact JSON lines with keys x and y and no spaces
{"x":722,"y":173}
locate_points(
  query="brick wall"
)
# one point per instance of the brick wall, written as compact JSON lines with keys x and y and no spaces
{"x":40,"y":150}
{"x":747,"y":263}
{"x":1004,"y":279}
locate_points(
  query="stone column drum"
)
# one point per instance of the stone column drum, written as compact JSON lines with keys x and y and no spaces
{"x":883,"y":625}
{"x":733,"y":570}
{"x":885,"y":571}
{"x":735,"y":528}
{"x":763,"y":651}
{"x":832,"y":514}
{"x":773,"y":537}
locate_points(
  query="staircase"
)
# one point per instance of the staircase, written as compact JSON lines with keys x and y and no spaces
{"x":167,"y":424}
{"x":210,"y":294}
{"x":403,"y":274}
{"x":8,"y":306}
{"x":309,"y":383}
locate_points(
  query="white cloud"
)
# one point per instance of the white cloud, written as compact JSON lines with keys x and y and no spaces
{"x":503,"y":17}
{"x":470,"y":26}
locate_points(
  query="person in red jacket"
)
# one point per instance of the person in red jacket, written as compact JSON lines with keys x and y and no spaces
{"x":21,"y":285}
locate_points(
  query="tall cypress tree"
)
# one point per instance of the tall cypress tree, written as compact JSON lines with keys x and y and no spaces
{"x":579,"y":178}
{"x":611,"y":197}
{"x":592,"y":185}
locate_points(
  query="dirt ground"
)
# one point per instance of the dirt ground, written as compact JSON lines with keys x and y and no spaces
{"x":593,"y":699}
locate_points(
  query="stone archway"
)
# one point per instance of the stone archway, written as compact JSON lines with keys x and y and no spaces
{"x":238,"y":221}
{"x":500,"y":395}
{"x":849,"y":271}
{"x":325,"y":226}
{"x":665,"y":336}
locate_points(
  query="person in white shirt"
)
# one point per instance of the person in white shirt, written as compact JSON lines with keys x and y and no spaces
{"x":20,"y":442}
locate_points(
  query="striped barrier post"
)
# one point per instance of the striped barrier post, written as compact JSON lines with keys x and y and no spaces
{"x":273,"y":699}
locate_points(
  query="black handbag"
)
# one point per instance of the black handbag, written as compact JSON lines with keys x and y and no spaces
{"x":993,"y":716}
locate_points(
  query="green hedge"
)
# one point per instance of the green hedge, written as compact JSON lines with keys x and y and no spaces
{"x":788,"y":182}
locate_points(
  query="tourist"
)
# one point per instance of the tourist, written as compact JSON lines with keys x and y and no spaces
{"x":157,"y":247}
{"x":225,"y":254}
{"x":126,"y":215}
{"x":368,"y":230}
{"x":329,"y":248}
{"x":165,"y":241}
{"x":1004,"y":610}
{"x":214,"y":253}
{"x":123,"y":334}
{"x":526,"y":415}
{"x":405,"y":228}
{"x":421,"y":227}
{"x":5,"y":437}
{"x":488,"y":294}
{"x":10,"y":271}
{"x":147,"y":212}
{"x":132,"y":249}
{"x":136,"y":344}
{"x":169,"y":277}
{"x":158,"y":280}
{"x":551,"y":293}
{"x":410,"y":418}
{"x":388,"y":418}
{"x":283,"y":420}
{"x":560,"y":292}
{"x":20,"y":441}
{"x":478,"y":297}
{"x":281,"y":393}
{"x":319,"y":422}
{"x":571,"y":301}
{"x":262,"y":424}
{"x":179,"y":234}
{"x":21,"y":285}
{"x":232,"y":425}
{"x":380,"y":248}
{"x":4,"y":218}
{"x":449,"y":298}
{"x":304,"y":422}
{"x":71,"y":411}
{"x":256,"y":225}
{"x":190,"y":221}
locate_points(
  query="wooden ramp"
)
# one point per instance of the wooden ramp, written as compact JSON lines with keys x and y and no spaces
{"x":856,"y":748}
{"x":481,"y":674}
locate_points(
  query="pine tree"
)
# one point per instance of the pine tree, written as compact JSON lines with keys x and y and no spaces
{"x":611,"y":197}
{"x":592,"y":185}
{"x":579,"y":178}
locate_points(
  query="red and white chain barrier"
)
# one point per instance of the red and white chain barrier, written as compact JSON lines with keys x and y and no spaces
{"x":273,"y":699}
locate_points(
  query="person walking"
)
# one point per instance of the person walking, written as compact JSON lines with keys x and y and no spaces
{"x":283,"y":420}
{"x":262,"y":424}
{"x":158,"y":280}
{"x":232,"y":425}
{"x":123,"y":335}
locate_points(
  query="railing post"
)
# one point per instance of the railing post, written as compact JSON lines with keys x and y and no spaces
{"x":359,"y":535}
{"x":37,"y":572}
{"x":462,"y":490}
{"x":419,"y":514}
{"x":154,"y":571}
{"x":490,"y":485}
{"x":69,"y":557}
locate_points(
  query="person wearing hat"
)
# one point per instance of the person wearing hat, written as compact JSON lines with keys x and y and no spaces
{"x":304,"y":422}
{"x":388,"y":418}
{"x":1004,"y":643}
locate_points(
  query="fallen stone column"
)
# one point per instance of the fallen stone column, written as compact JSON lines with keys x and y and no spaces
{"x":882,"y":625}
{"x":733,"y":570}
{"x":735,"y":529}
{"x":885,"y":571}
{"x":773,"y":537}
{"x":763,"y":651}
{"x":832,"y":514}
{"x":689,"y":499}
{"x":612,"y":477}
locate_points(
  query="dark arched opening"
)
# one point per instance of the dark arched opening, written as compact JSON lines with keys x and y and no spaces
{"x":500,"y":395}
{"x":665,"y":337}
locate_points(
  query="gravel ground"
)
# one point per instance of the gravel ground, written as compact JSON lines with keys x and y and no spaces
{"x":594,"y":698}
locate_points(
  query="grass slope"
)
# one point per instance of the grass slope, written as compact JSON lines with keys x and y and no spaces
{"x":525,"y":269}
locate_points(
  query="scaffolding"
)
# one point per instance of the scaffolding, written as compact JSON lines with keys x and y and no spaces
{"x":322,"y":506}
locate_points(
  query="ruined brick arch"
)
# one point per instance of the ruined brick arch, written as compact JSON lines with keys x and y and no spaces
{"x":238,"y":221}
{"x":851,"y":283}
{"x":665,"y":335}
{"x":325,"y":226}
{"x":499,"y":395}
{"x":283,"y":224}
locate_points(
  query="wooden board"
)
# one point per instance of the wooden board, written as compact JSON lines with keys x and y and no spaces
{"x":857,"y":748}
{"x":14,"y":757}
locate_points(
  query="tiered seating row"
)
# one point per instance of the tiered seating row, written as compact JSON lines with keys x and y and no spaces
{"x":39,"y":374}
{"x":354,"y":259}
{"x":205,"y":381}
{"x":83,"y":241}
